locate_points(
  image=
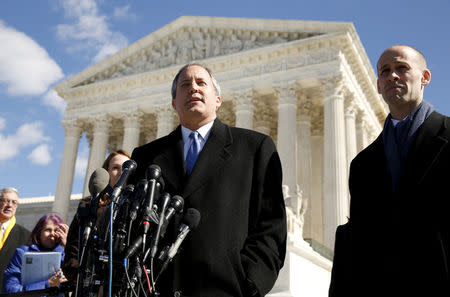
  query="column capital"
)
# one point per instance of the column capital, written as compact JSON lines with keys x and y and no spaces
{"x":72,"y":128}
{"x":350,"y":108}
{"x":101,"y":124}
{"x":243,"y":96}
{"x":131,"y":119}
{"x":361,"y":118}
{"x":333,"y":86}
{"x":305,"y":104}
{"x":286,"y":92}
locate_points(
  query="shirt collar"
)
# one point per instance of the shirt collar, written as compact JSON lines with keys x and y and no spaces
{"x":203,"y":131}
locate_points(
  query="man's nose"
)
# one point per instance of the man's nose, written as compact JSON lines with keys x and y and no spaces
{"x":193,"y":88}
{"x":393,"y":76}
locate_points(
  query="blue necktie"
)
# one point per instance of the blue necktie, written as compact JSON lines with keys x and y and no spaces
{"x":193,"y":151}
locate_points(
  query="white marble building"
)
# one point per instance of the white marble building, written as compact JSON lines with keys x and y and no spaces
{"x":309,"y":85}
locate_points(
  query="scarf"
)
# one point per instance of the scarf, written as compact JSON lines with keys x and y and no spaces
{"x":397,"y":140}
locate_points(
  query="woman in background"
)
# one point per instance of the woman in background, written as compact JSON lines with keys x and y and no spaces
{"x":112,"y":164}
{"x":49,"y":235}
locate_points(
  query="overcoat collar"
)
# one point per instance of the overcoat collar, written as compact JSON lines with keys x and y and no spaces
{"x":426,"y":148}
{"x":212,"y":158}
{"x":423,"y":153}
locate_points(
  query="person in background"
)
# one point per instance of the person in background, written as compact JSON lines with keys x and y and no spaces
{"x":112,"y":164}
{"x":397,"y":240}
{"x":49,"y":234}
{"x":12,"y":235}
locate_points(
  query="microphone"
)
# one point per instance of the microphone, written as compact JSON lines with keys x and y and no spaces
{"x":141,"y":191}
{"x":176,"y":206}
{"x":153,"y":175}
{"x":165,"y":203}
{"x":190,"y":221}
{"x":128,"y":168}
{"x":98,"y":182}
{"x":134,"y":247}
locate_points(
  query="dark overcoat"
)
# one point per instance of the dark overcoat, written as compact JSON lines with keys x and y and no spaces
{"x":398,"y":244}
{"x":236,"y":186}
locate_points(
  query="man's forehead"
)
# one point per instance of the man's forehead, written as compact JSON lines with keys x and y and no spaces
{"x":10,"y":195}
{"x":398,"y":54}
{"x":194,"y":71}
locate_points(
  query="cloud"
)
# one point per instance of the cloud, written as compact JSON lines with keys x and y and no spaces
{"x":82,"y":162}
{"x":28,"y":134}
{"x":40,"y":155}
{"x":52,"y":99}
{"x":25,"y":67}
{"x":123,"y":13}
{"x":90,"y":30}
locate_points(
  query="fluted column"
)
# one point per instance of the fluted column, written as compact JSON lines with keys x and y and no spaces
{"x":244,"y":108}
{"x":286,"y":136}
{"x":350,"y":131}
{"x":335,"y":166}
{"x":67,"y":167}
{"x":131,"y":130}
{"x":304,"y":161}
{"x":98,"y":149}
{"x":165,"y":120}
{"x":361,"y":133}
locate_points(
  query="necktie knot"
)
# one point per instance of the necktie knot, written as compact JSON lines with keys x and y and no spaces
{"x":193,"y":151}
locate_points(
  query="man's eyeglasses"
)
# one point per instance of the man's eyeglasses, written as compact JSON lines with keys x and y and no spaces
{"x":8,"y":201}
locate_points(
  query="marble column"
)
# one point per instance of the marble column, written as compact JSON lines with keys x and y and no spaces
{"x":131,"y":131}
{"x":165,"y":120}
{"x":98,"y":149}
{"x":244,"y":108}
{"x":67,"y":168}
{"x":286,"y":137}
{"x":315,"y":208}
{"x":304,"y":162}
{"x":336,"y":206}
{"x":350,"y":131}
{"x":361,"y":133}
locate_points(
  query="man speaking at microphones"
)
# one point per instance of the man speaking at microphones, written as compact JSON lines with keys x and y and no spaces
{"x":233,"y":177}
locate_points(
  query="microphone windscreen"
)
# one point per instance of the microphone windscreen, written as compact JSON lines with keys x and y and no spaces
{"x":191,"y":218}
{"x":153,"y":172}
{"x":130,"y":165}
{"x":98,"y":181}
{"x":177,"y":203}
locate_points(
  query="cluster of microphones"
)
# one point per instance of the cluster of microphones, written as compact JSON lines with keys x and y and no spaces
{"x":123,"y":253}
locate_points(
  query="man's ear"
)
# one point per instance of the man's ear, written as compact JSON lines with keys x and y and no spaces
{"x":218,"y":102}
{"x":426,"y":77}
{"x":173,"y":104}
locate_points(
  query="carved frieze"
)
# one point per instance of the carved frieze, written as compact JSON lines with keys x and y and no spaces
{"x":191,"y":43}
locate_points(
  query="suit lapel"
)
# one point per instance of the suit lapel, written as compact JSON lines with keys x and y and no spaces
{"x":171,"y":161}
{"x":425,"y":150}
{"x":212,"y":158}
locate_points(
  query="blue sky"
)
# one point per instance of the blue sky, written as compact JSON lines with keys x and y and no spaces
{"x":45,"y":42}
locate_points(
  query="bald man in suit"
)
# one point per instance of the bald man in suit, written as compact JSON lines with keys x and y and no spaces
{"x":397,"y":240}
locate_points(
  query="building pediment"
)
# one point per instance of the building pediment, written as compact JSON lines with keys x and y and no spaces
{"x":196,"y":38}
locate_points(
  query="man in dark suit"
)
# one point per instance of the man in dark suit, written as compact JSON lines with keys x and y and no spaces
{"x":396,"y":242}
{"x":12,"y":235}
{"x":240,"y":244}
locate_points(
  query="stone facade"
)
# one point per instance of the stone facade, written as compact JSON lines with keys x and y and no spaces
{"x":309,"y":85}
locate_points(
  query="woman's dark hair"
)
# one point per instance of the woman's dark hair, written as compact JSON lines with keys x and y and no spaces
{"x":36,"y":233}
{"x":112,"y":155}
